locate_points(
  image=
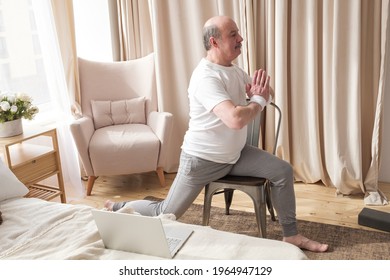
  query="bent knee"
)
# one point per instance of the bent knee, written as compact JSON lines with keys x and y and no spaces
{"x":284,"y":172}
{"x":287,"y":169}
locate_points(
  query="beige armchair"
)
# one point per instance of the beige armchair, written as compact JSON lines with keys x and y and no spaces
{"x":120,"y":130}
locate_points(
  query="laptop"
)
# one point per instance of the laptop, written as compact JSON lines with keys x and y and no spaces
{"x":139,"y":234}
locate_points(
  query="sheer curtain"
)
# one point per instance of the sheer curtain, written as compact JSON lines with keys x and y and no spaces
{"x":62,"y":87}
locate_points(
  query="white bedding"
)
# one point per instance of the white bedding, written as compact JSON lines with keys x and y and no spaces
{"x":37,"y":229}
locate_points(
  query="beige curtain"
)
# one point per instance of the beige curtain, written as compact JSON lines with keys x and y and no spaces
{"x":373,"y":194}
{"x":64,"y":20}
{"x":327,"y":65}
{"x":131,"y":28}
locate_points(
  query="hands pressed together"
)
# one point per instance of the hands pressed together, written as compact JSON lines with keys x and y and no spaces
{"x":259,"y":90}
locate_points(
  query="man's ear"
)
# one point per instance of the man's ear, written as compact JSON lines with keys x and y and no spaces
{"x":213,"y":42}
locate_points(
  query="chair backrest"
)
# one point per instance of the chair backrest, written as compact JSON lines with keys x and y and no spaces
{"x":253,"y":131}
{"x":117,"y":80}
{"x":255,"y":126}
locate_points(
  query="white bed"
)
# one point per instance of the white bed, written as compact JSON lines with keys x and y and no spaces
{"x":38,"y":229}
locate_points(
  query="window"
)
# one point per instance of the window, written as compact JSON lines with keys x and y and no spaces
{"x":21,"y":63}
{"x":93,"y":35}
{"x":3,"y":48}
{"x":24,"y":63}
{"x":1,"y":21}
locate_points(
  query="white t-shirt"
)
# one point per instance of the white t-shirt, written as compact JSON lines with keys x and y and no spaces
{"x":207,"y":136}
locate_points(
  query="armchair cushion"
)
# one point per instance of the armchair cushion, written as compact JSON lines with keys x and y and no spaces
{"x":128,"y":111}
{"x":125,"y":148}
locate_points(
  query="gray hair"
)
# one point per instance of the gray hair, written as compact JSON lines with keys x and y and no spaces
{"x":208,"y":32}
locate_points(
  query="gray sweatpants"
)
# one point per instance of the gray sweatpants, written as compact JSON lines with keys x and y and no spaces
{"x":194,"y":173}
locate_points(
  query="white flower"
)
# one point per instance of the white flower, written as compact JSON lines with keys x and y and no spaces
{"x":22,"y":96}
{"x":11,"y":98}
{"x":5,"y":106}
{"x":14,"y":108}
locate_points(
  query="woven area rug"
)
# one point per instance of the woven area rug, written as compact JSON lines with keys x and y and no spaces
{"x":345,"y":243}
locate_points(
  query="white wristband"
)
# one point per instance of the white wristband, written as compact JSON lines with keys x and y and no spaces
{"x":259,"y":100}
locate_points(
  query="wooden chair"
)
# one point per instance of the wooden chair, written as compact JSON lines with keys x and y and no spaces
{"x":258,"y":189}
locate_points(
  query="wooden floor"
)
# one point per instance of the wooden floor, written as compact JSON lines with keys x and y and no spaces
{"x":315,"y":202}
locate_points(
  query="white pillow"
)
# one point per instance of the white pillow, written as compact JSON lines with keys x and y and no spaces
{"x":126,"y":111}
{"x":10,"y":186}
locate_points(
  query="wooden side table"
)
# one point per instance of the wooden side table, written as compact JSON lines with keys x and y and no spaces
{"x":34,"y":156}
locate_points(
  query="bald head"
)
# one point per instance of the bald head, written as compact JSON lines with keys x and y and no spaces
{"x":212,"y":28}
{"x":217,"y":20}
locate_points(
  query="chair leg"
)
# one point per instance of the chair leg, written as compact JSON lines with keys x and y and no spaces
{"x":269,"y":202}
{"x":161,"y":177}
{"x":207,"y":205}
{"x":261,"y":218}
{"x":91,"y":181}
{"x":228,"y":194}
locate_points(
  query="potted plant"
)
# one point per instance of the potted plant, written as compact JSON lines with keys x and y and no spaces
{"x":14,"y":107}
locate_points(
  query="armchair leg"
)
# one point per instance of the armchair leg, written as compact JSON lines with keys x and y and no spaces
{"x":91,"y":181}
{"x":161,"y":177}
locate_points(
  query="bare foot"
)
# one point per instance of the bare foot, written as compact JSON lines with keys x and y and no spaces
{"x":108,"y":205}
{"x":306,"y":243}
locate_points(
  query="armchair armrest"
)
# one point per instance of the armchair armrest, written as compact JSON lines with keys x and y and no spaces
{"x":161,"y":124}
{"x":82,"y":130}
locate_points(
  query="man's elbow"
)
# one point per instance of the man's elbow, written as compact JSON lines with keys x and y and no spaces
{"x":237,"y":124}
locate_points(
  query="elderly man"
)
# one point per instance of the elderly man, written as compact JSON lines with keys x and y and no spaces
{"x":215,"y":142}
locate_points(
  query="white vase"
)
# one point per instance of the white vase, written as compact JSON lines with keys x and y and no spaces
{"x":11,"y":128}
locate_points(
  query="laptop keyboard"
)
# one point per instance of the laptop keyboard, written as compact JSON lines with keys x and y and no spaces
{"x":172,"y":243}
